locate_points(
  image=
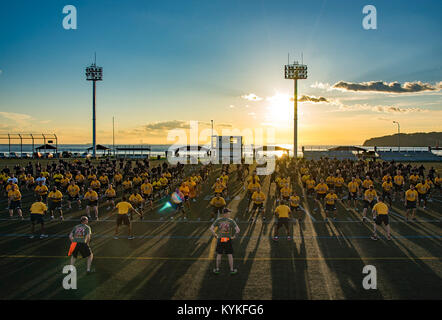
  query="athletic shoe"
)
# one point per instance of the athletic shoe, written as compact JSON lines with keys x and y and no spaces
{"x":185,"y":218}
{"x":61,"y":218}
{"x":334,"y":219}
{"x":233,"y":272}
{"x":32,"y":237}
{"x":275,"y":238}
{"x":79,"y":208}
{"x":108,"y":208}
{"x":131,"y":237}
{"x":364,"y":218}
{"x":52,"y":217}
{"x":116,"y":237}
{"x":211,"y":219}
{"x":374,"y":238}
{"x":90,"y":272}
{"x":216,"y":271}
{"x":171,"y":218}
{"x":289,"y":238}
{"x":42,"y":236}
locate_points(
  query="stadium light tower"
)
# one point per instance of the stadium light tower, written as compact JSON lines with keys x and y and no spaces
{"x":295,"y":71}
{"x":94,"y":74}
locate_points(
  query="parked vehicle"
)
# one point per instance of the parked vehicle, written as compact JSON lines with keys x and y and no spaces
{"x":37,"y":155}
{"x":66,"y":154}
{"x":13,"y":155}
{"x":48,"y":155}
{"x":2,"y":155}
{"x":25,"y":155}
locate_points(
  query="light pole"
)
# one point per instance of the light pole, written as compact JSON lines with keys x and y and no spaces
{"x":398,"y":135}
{"x":295,"y":71}
{"x":94,"y":74}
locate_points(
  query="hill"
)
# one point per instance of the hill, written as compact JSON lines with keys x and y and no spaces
{"x":418,"y":139}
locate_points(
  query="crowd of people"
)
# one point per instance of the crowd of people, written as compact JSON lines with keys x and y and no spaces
{"x":132,"y":187}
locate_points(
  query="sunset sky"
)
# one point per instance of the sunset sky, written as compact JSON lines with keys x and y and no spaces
{"x":169,"y":62}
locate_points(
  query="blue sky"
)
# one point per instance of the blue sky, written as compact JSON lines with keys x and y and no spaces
{"x":193,"y":60}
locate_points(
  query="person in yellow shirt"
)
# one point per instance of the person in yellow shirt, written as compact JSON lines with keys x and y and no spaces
{"x":353,"y":190}
{"x":398,"y":181}
{"x":192,"y":190}
{"x":55,"y":198}
{"x":366,"y":184}
{"x":184,"y":189}
{"x":30,"y":181}
{"x":95,"y":185}
{"x":64,"y":183}
{"x":136,"y":200}
{"x":387,"y":189}
{"x":330,"y":204}
{"x":118,"y":178}
{"x":321,"y":191}
{"x":411,"y":197}
{"x":370,"y":197}
{"x":413,"y":178}
{"x":127,"y":185}
{"x":110,"y":195}
{"x":146,"y":191}
{"x":14,"y":198}
{"x":57,"y":178}
{"x":294,"y":202}
{"x":124,"y":208}
{"x":79,"y":180}
{"x":380,"y":216}
{"x":41,"y":191}
{"x":73,"y":191}
{"x":422,"y":188}
{"x":310,"y":185}
{"x":218,"y":186}
{"x":285,"y":192}
{"x":38,"y":209}
{"x":282,"y":213}
{"x":104,"y":181}
{"x":339,"y":183}
{"x":91,"y":197}
{"x":251,"y":188}
{"x":218,"y":204}
{"x":258,"y":198}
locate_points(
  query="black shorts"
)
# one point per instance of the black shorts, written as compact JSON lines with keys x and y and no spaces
{"x":15,"y":204}
{"x":224,"y":247}
{"x":110,"y":198}
{"x":36,"y":218}
{"x":92,"y":203}
{"x":283,"y":222}
{"x":217,"y":210}
{"x":320,"y":196}
{"x":368,"y":204}
{"x":382,"y":218}
{"x":148,"y":196}
{"x":186,"y":198}
{"x":338,"y":189}
{"x":295,"y":208}
{"x":310,"y":191}
{"x":285,"y":199}
{"x":257,"y":206}
{"x":123,"y":219}
{"x":422,"y":196}
{"x":411,"y":205}
{"x":44,"y":197}
{"x":82,"y":248}
{"x":386,"y":194}
{"x":74,"y":198}
{"x":52,"y":205}
{"x":398,"y":187}
{"x":330,"y":207}
{"x":352,"y":196}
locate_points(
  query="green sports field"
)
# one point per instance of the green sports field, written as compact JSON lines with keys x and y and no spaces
{"x":174,"y":259}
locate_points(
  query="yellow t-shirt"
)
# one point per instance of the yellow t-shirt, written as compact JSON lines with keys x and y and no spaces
{"x":398,"y":180}
{"x":38,"y":208}
{"x":123,"y":207}
{"x":218,"y":203}
{"x":258,"y":197}
{"x":285,"y":191}
{"x":282,"y":211}
{"x":73,"y":190}
{"x":331,"y":198}
{"x":321,"y":188}
{"x":55,"y":196}
{"x":380,"y":208}
{"x":369,"y":195}
{"x":146,"y":188}
{"x":110,"y":192}
{"x":422,"y":188}
{"x":15,"y":195}
{"x":294,"y":201}
{"x":253,"y":186}
{"x":91,"y":195}
{"x":41,"y":190}
{"x":353,"y":186}
{"x":387,"y":186}
{"x":411,"y":195}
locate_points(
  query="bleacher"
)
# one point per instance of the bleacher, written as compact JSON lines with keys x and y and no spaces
{"x":409,"y":156}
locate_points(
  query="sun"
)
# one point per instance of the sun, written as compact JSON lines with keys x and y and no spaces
{"x":279,"y":109}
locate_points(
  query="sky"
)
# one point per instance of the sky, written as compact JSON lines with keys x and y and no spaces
{"x":167,"y":63}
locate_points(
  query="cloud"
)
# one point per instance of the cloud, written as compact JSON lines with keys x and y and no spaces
{"x":392,"y":87}
{"x":320,"y":85}
{"x":251,"y":97}
{"x":380,"y":109}
{"x":167,"y":125}
{"x":312,"y":99}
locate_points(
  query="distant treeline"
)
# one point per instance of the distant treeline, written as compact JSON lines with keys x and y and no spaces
{"x":419,"y":139}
